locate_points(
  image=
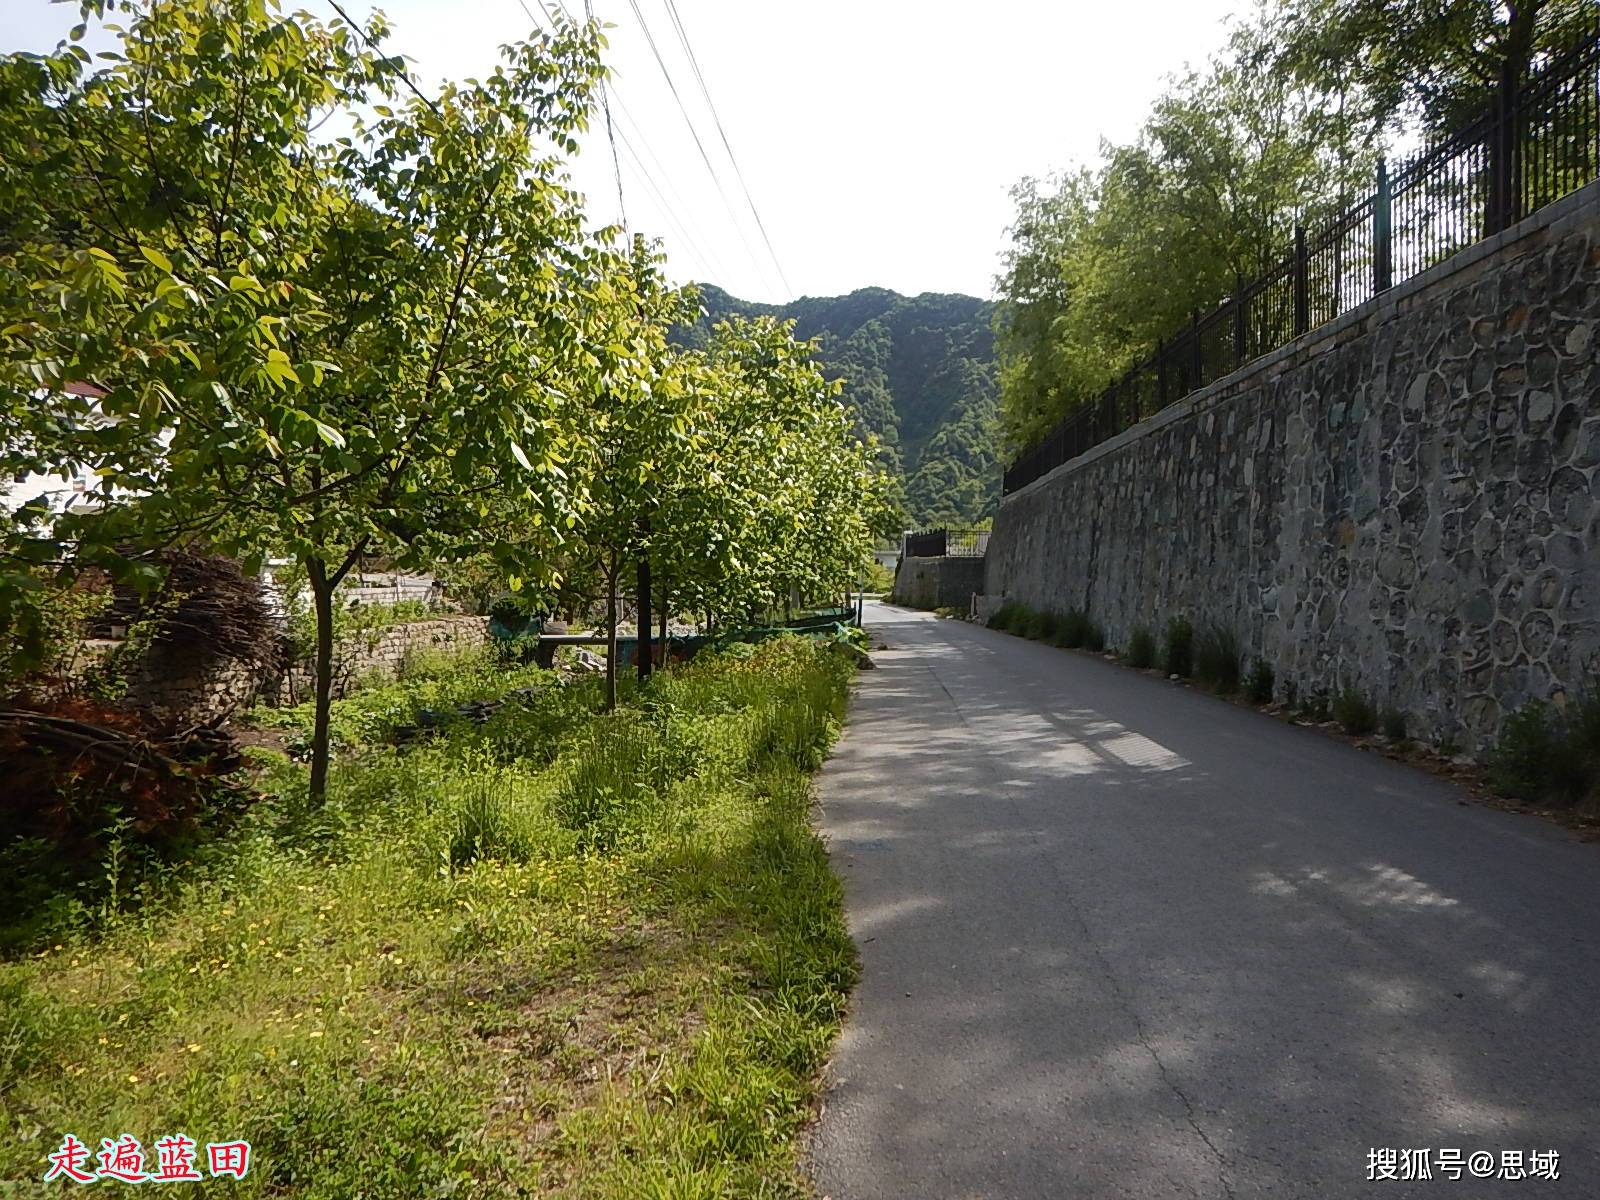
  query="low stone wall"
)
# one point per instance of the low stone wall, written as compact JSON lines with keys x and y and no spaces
{"x":381,"y":654}
{"x":944,"y":582}
{"x":1405,"y":501}
{"x":193,"y":695}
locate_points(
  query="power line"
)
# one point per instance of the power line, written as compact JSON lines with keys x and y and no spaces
{"x":672,"y":202}
{"x":611,"y":137}
{"x":644,"y":27}
{"x":605,"y":102}
{"x":694,"y":65}
{"x":638,"y":162}
{"x":707,"y":261}
{"x":711,"y":262}
{"x":371,"y":45}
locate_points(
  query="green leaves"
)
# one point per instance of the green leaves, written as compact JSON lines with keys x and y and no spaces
{"x":156,"y":258}
{"x":279,"y":369}
{"x":404,"y":343}
{"x":329,"y":434}
{"x":1105,"y":262}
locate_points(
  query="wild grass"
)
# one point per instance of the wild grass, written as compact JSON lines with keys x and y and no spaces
{"x":1008,"y":617}
{"x":1393,"y":722}
{"x":1071,"y":629}
{"x":1548,"y":755}
{"x":1042,"y":625}
{"x":1217,"y":659}
{"x":1259,"y":685}
{"x":1074,"y":631}
{"x":602,"y":958}
{"x":1141,"y":649}
{"x":1355,"y":713}
{"x":1177,"y":651}
{"x":436,"y":681}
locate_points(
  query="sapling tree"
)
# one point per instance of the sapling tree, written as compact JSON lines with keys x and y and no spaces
{"x":639,"y":430}
{"x":330,"y":347}
{"x":783,"y":495}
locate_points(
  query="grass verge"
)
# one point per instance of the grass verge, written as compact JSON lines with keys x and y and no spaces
{"x":557,"y":953}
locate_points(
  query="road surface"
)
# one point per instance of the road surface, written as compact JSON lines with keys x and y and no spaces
{"x":1122,"y":938}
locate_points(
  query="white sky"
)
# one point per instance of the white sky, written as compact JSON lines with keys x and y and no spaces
{"x":879,"y":138}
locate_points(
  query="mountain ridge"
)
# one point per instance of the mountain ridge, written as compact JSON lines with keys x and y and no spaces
{"x":919,"y":372}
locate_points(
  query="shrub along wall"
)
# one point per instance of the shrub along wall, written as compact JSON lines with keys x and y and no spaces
{"x":1404,"y":502}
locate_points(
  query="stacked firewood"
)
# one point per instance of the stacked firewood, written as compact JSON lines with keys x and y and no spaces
{"x":76,"y":771}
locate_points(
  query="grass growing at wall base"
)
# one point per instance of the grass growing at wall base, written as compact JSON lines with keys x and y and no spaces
{"x":491,"y":966}
{"x":1549,"y":755}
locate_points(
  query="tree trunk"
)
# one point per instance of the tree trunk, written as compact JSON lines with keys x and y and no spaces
{"x":611,"y":638}
{"x":322,"y":605}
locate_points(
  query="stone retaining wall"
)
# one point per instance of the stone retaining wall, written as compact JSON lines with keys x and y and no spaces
{"x":944,"y":582}
{"x":1405,"y":501}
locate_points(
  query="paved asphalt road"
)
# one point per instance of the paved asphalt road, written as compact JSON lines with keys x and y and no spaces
{"x":1120,"y":938}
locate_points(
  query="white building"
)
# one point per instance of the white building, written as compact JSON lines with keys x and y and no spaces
{"x":70,"y":488}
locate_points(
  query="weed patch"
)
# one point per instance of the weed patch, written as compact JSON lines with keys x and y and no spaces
{"x":1177,"y":653}
{"x":602,"y":955}
{"x":1355,"y":713}
{"x":1217,"y":658}
{"x":1259,"y":686}
{"x":1008,"y":617}
{"x":1041,"y":626}
{"x":1074,"y":630}
{"x":1141,"y":649}
{"x":1549,"y":756}
{"x":1393,"y":723}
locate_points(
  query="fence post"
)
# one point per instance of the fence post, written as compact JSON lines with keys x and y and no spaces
{"x":1505,"y":149}
{"x":1196,"y":361}
{"x":1238,"y":323}
{"x":1302,"y":283}
{"x":643,"y":653}
{"x":1161,"y":374}
{"x":1382,"y":238}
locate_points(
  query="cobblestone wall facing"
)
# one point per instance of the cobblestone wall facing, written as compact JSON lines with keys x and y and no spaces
{"x":383,"y":654}
{"x":1405,"y":501}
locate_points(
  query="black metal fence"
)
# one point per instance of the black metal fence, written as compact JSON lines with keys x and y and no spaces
{"x":1535,"y":143}
{"x":942,"y":543}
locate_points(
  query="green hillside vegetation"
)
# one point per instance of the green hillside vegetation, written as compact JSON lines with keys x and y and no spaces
{"x":1283,"y":127}
{"x":919,"y":372}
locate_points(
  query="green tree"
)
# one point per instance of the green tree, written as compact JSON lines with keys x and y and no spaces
{"x":909,"y":366}
{"x":1103,"y":265}
{"x":784,"y":496}
{"x":639,"y":430}
{"x":1432,"y":63}
{"x":333,"y":348}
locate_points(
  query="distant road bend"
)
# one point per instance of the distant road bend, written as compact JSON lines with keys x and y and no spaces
{"x":1122,"y":939}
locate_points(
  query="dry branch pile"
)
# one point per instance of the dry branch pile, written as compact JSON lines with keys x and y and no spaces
{"x":77,"y":772}
{"x":208,"y":611}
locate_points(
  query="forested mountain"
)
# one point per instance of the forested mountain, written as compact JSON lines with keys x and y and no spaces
{"x":920,"y":372}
